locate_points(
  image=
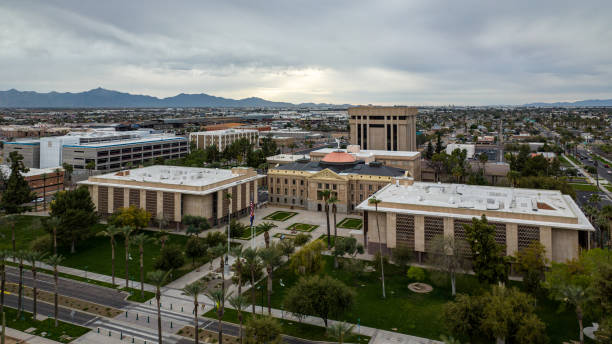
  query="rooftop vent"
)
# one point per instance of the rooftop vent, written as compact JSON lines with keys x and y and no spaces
{"x":375,"y":164}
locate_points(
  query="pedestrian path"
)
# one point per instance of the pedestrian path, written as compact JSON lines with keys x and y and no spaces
{"x":29,"y":338}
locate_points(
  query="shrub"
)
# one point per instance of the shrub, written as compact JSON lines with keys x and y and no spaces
{"x":263,"y":330}
{"x":215,"y":238}
{"x":236,"y":229}
{"x":416,"y":274}
{"x":42,"y":244}
{"x":301,"y":239}
{"x":171,"y":257}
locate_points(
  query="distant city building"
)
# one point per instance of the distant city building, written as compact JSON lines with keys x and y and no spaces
{"x":21,"y":131}
{"x":172,"y":192}
{"x":405,"y":160}
{"x":411,"y":214}
{"x":283,"y":159}
{"x":299,"y":184}
{"x":222,"y":138}
{"x":28,"y":149}
{"x":469,"y":148}
{"x":486,"y":140}
{"x":391,"y":128}
{"x":44,"y":181}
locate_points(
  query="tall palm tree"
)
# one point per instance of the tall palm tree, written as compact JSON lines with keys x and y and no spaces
{"x":4,"y":254}
{"x":340,"y":331}
{"x":111,"y":231}
{"x":218,"y":251}
{"x":237,"y":251}
{"x":333,"y":200}
{"x":265,"y":227}
{"x":11,"y":220}
{"x":193,"y":290}
{"x":269,"y":256}
{"x":576,"y":296}
{"x":218,"y":298}
{"x":54,"y":223}
{"x":21,"y":256}
{"x":163,"y":237}
{"x":376,"y":201}
{"x":127,"y":233}
{"x":251,"y":262}
{"x":326,"y":194}
{"x":239,"y":302}
{"x":34,"y":257}
{"x":140,"y":240}
{"x":158,"y":278}
{"x":54,"y":261}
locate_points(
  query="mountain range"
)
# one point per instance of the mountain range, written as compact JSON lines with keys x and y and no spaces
{"x":579,"y":103}
{"x":103,"y":98}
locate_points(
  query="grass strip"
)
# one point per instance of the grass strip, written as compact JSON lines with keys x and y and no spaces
{"x":350,"y":223}
{"x":64,"y":332}
{"x":302,"y":227}
{"x":280,"y":215}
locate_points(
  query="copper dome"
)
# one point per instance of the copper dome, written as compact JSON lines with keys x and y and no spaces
{"x":338,"y":158}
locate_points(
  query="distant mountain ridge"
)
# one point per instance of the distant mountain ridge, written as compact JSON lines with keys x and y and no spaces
{"x":103,"y":98}
{"x":579,"y":103}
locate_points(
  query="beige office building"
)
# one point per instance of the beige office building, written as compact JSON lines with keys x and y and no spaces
{"x":391,"y":128}
{"x":173,"y":192}
{"x":222,"y":138}
{"x":411,"y":214}
{"x":28,"y":149}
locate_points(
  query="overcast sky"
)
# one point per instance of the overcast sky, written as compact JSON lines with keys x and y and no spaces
{"x":358,"y":52}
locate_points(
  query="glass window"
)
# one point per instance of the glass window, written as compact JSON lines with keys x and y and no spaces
{"x":334,"y":186}
{"x":326,"y":186}
{"x":319,"y":185}
{"x":370,"y":187}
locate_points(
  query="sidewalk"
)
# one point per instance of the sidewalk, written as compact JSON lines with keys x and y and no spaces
{"x":29,"y":338}
{"x":589,"y":177}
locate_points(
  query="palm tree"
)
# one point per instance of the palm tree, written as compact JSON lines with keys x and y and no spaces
{"x":193,"y":290}
{"x":513,"y":176}
{"x":90,"y":166}
{"x":239,"y":302}
{"x":158,"y":278}
{"x":111,"y":231}
{"x":251,"y":262}
{"x":140,"y":240}
{"x":11,"y":219}
{"x":218,"y":251}
{"x":333,"y":200}
{"x":269,"y":256}
{"x":54,"y":223}
{"x":483,"y":158}
{"x":21,"y":256}
{"x":163,"y":237}
{"x":54,"y":261}
{"x":265,"y":227}
{"x":376,"y":201}
{"x":575,"y":296}
{"x":237,"y":251}
{"x":340,"y":331}
{"x":218,"y":298}
{"x":4,"y":254}
{"x":34,"y":257}
{"x":127,"y":233}
{"x":68,"y":169}
{"x":326,"y":194}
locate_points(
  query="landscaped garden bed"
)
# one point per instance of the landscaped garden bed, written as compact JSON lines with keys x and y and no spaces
{"x":207,"y":336}
{"x":280,"y":215}
{"x":350,"y":223}
{"x":302,"y":227}
{"x":284,"y":236}
{"x":64,"y":332}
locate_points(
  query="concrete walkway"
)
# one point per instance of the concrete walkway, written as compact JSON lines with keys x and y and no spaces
{"x":28,"y":338}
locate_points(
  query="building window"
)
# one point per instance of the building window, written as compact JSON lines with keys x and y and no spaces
{"x":293,"y":191}
{"x":286,"y":192}
{"x":301,"y":182}
{"x":286,"y":181}
{"x":326,"y":186}
{"x":360,"y":186}
{"x":277,"y":190}
{"x":370,"y":187}
{"x":334,"y":186}
{"x":319,"y":185}
{"x":293,"y":181}
{"x":278,"y":180}
{"x":360,"y":198}
{"x":301,"y":192}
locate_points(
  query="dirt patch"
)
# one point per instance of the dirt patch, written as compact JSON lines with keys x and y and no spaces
{"x":207,"y":336}
{"x":420,"y":288}
{"x":65,"y":301}
{"x":10,"y":340}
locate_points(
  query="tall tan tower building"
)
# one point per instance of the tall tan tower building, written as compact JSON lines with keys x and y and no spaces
{"x":391,"y":128}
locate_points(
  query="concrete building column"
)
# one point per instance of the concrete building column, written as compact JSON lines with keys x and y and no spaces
{"x":255,"y":198}
{"x":546,"y":241}
{"x":248,"y":192}
{"x":178,"y":207}
{"x":160,"y":204}
{"x":111,"y":199}
{"x":238,"y":197}
{"x":449,"y":227}
{"x":126,"y":197}
{"x":511,"y":239}
{"x":391,"y":230}
{"x":94,"y":196}
{"x":143,"y":200}
{"x":219,"y":204}
{"x":419,"y":233}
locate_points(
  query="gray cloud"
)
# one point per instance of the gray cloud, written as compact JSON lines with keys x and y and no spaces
{"x":396,"y":52}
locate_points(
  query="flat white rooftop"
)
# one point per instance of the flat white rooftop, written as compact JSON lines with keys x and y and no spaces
{"x":224,"y":132}
{"x":176,"y":175}
{"x":287,"y":157}
{"x":32,"y":171}
{"x":148,"y":139}
{"x":369,"y":152}
{"x":513,"y":201}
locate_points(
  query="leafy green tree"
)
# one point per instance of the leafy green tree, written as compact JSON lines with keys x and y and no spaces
{"x":194,"y":249}
{"x":132,"y":216}
{"x":68,"y":169}
{"x":195,"y":224}
{"x":17,"y":191}
{"x":429,"y":152}
{"x":531,"y":264}
{"x":462,"y":317}
{"x":268,"y":146}
{"x":53,"y":223}
{"x":601,"y":293}
{"x":344,"y":246}
{"x":193,"y":290}
{"x":170,"y":257}
{"x":308,"y":259}
{"x":447,"y":255}
{"x":322,"y":296}
{"x":158,"y":278}
{"x":488,"y":261}
{"x":77,"y":214}
{"x":263,"y":330}
{"x":90,"y":166}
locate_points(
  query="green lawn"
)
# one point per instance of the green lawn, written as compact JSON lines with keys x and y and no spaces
{"x":48,"y":326}
{"x":247,"y":230}
{"x":280,"y":215}
{"x":410,"y":313}
{"x":290,"y":328}
{"x":564,"y":161}
{"x":302,"y":227}
{"x":576,"y":161}
{"x":584,"y":187}
{"x":350,"y":223}
{"x":27,"y":228}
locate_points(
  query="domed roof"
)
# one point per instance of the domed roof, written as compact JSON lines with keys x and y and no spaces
{"x":338,"y":157}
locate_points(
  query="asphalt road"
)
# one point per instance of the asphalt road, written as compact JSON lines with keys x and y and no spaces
{"x":602,"y":171}
{"x":84,"y":291}
{"x":46,"y":309}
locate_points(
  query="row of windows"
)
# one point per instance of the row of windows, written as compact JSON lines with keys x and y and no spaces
{"x":389,"y":118}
